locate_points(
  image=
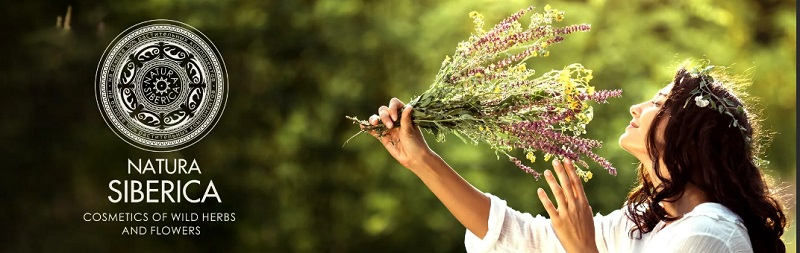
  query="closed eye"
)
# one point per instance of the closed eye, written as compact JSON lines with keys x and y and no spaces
{"x":656,"y":101}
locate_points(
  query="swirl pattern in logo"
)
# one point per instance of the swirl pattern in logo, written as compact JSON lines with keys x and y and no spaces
{"x":161,"y":85}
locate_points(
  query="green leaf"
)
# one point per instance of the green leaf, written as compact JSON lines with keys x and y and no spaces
{"x":728,"y":102}
{"x":707,"y":69}
{"x":457,"y":134}
{"x":440,"y":137}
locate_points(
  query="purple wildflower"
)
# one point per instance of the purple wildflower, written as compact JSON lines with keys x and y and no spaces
{"x":485,"y":93}
{"x":527,"y":169}
{"x":600,"y":96}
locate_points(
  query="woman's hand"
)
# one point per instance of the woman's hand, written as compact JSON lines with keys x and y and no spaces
{"x":572,"y":220}
{"x":405,"y":143}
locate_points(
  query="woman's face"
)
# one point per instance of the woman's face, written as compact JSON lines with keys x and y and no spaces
{"x":633,"y":140}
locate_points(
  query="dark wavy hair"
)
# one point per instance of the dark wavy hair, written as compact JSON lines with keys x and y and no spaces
{"x":702,"y":148}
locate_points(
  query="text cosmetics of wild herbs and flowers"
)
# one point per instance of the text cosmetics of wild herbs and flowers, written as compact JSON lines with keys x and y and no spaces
{"x":161,"y":86}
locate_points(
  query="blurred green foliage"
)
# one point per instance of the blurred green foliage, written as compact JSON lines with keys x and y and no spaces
{"x":296,"y":68}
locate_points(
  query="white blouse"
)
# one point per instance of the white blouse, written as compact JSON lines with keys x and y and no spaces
{"x":710,"y":227}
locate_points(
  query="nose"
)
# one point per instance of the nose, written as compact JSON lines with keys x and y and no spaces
{"x":635,"y":110}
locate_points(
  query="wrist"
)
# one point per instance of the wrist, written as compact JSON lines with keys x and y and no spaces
{"x":425,"y":162}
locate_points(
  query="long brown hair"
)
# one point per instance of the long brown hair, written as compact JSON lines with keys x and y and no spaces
{"x":701,"y":147}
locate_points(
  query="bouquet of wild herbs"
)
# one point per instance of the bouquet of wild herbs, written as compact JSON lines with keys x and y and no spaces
{"x":485,"y":93}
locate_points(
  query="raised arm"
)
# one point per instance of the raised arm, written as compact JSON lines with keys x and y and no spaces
{"x":406,"y":144}
{"x":571,"y":220}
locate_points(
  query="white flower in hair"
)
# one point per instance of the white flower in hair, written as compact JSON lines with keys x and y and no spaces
{"x":699,"y":101}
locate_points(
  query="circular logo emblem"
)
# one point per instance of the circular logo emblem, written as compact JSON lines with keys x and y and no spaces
{"x":161,"y":85}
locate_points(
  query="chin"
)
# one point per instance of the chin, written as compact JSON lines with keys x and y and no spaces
{"x":623,"y":141}
{"x":629,"y":145}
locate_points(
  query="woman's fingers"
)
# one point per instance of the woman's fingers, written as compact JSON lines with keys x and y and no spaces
{"x":395,"y":105}
{"x":566,"y":182}
{"x":387,"y":114}
{"x":374,"y":119}
{"x":548,"y":205}
{"x":405,"y":123}
{"x":577,"y":186}
{"x":383,"y":111}
{"x":557,"y":191}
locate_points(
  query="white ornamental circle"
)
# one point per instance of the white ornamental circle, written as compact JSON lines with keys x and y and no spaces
{"x":161,"y":85}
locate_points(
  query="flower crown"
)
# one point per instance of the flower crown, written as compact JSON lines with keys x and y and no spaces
{"x":703,"y":97}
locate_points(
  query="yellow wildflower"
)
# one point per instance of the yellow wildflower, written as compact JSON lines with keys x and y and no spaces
{"x":563,"y":76}
{"x":568,"y":91}
{"x":478,"y":21}
{"x":576,"y":105}
{"x":569,"y":85}
{"x":590,"y":90}
{"x":588,"y":76}
{"x":581,"y":117}
{"x":531,"y":157}
{"x":588,"y":176}
{"x":547,"y":7}
{"x":546,"y":54}
{"x":479,"y":75}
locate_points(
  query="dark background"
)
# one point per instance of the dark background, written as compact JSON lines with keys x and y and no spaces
{"x":296,"y":68}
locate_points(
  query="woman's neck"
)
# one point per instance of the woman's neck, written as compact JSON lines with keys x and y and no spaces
{"x":692,"y":197}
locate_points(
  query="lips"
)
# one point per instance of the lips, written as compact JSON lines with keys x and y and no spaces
{"x":634,"y":124}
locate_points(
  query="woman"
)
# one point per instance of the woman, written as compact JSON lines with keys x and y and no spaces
{"x":699,"y":187}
